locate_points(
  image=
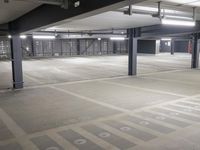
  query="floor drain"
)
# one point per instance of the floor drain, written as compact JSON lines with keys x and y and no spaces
{"x":80,"y":141}
{"x":104,"y":134}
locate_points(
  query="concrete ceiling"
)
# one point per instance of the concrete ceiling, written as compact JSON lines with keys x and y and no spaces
{"x":114,"y":19}
{"x":107,"y":20}
{"x":14,"y":9}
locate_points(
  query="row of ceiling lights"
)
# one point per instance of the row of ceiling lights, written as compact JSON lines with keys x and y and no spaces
{"x":36,"y":37}
{"x":50,"y":37}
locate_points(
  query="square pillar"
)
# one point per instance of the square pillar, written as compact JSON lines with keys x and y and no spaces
{"x":114,"y":47}
{"x":78,"y":47}
{"x":132,"y":52}
{"x":195,"y":51}
{"x":172,"y":46}
{"x":16,"y":57}
{"x":33,"y":52}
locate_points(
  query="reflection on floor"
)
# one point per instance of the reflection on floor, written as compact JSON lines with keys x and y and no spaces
{"x":157,"y":110}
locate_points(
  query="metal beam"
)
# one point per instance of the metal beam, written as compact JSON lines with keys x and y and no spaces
{"x":16,"y":55}
{"x":167,"y":30}
{"x":62,"y":3}
{"x":52,"y":2}
{"x":132,"y":48}
{"x":78,"y":33}
{"x":195,"y":51}
{"x":48,"y":15}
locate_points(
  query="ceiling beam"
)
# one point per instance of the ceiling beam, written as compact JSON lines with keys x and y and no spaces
{"x":166,"y":30}
{"x":48,"y":15}
{"x":80,"y":33}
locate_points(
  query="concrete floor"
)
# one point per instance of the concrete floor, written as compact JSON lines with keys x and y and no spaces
{"x":59,"y":70}
{"x":157,"y":110}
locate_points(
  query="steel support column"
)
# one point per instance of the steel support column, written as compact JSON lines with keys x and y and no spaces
{"x":132,"y":52}
{"x":172,"y":46}
{"x":32,"y":46}
{"x":195,"y":51}
{"x":114,"y":47}
{"x":78,"y":47}
{"x":16,"y":55}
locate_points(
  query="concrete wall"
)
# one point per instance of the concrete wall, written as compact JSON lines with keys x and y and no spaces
{"x":147,"y":46}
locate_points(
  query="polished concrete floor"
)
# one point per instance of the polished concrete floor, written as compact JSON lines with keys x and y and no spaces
{"x":91,"y":104}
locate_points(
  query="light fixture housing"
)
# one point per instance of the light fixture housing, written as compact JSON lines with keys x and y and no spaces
{"x":166,"y":39}
{"x":117,"y":38}
{"x":179,"y":17}
{"x":23,"y":36}
{"x":50,"y":37}
{"x":178,"y":22}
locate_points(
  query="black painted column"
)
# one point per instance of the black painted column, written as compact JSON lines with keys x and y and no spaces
{"x":78,"y":47}
{"x":195,"y":51}
{"x":114,"y":47}
{"x":172,"y":46}
{"x":132,"y":52}
{"x":32,"y":46}
{"x":16,"y":55}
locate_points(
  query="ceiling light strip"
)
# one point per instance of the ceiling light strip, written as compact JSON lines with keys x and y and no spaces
{"x":178,"y":22}
{"x":43,"y":37}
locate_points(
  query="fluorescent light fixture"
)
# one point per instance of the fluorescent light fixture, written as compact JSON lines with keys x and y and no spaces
{"x":9,"y":36}
{"x":178,"y":22}
{"x":117,"y":38}
{"x":152,"y":9}
{"x":166,"y":39}
{"x":23,"y":36}
{"x":178,"y":17}
{"x":44,"y":37}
